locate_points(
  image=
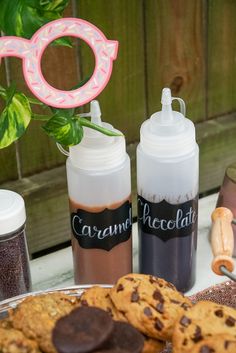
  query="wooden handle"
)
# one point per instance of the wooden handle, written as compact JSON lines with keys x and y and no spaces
{"x":222,"y":240}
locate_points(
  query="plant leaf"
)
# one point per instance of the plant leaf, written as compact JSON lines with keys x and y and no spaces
{"x":23,"y":17}
{"x":64,"y":112}
{"x":14,"y":119}
{"x":65,"y":130}
{"x":10,"y":92}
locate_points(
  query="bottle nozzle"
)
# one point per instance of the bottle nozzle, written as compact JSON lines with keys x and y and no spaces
{"x":166,"y":101}
{"x":166,"y":98}
{"x":95,"y":112}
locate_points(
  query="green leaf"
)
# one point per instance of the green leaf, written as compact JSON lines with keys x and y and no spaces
{"x":23,"y":17}
{"x":35,"y":101}
{"x":14,"y":119}
{"x":64,"y":41}
{"x":56,"y":5}
{"x":65,"y":130}
{"x":87,"y":123}
{"x":10,"y":91}
{"x":64,"y":112}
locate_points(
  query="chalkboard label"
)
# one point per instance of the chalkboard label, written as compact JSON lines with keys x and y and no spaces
{"x":167,"y":220}
{"x":102,"y":230}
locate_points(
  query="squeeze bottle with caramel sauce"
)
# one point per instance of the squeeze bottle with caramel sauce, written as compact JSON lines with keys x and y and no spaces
{"x":99,"y":187}
{"x":167,"y":183}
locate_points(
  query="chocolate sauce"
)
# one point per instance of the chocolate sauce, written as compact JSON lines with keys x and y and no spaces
{"x":168,"y":241}
{"x":101,"y":242}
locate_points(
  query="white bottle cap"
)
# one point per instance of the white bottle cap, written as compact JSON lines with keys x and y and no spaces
{"x":168,"y":133}
{"x":97,"y":151}
{"x":12,"y":211}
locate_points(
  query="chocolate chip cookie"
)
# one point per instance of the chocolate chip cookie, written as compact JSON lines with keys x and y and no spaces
{"x":36,"y":316}
{"x":216,"y":344}
{"x":203,"y":320}
{"x":14,"y":341}
{"x":153,"y":346}
{"x":150,"y":304}
{"x":84,"y":330}
{"x":100,"y":298}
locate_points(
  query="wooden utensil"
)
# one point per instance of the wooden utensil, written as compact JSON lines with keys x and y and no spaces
{"x":222,"y":242}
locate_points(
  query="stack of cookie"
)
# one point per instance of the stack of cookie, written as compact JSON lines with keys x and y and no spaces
{"x":156,"y":310}
{"x":150,"y":304}
{"x":162,"y":314}
{"x":92,"y":330}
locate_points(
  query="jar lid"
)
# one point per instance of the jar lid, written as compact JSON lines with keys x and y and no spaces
{"x":12,"y":211}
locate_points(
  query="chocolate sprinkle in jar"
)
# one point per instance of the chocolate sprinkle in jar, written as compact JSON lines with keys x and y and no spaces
{"x":14,"y":258}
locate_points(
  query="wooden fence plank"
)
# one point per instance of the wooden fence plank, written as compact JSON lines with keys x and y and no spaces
{"x":217,"y":143}
{"x":175,"y":46}
{"x":37,"y":151}
{"x":8,"y":167}
{"x":46,"y":193}
{"x":221,"y":57}
{"x":123,"y":100}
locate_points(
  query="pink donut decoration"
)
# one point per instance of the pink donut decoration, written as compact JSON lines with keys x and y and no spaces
{"x":31,"y":51}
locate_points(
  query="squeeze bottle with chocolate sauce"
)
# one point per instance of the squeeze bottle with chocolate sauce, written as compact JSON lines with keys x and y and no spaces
{"x":99,"y":186}
{"x":167,"y":182}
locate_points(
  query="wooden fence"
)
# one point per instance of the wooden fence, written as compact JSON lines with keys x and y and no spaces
{"x":189,"y":46}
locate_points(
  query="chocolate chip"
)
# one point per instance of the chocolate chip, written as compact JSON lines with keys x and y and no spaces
{"x":174,"y":301}
{"x":170,"y":285}
{"x":226,"y":344}
{"x":185,"y":321}
{"x":147,"y":311}
{"x":219,"y":313}
{"x":185,"y":341}
{"x":158,"y":296}
{"x":158,"y":325}
{"x":206,"y":349}
{"x":197,"y":335}
{"x":84,"y":302}
{"x":134,"y":297}
{"x":185,"y":306}
{"x":160,"y":308}
{"x":230,"y":321}
{"x":109,"y":311}
{"x":153,"y":279}
{"x":120,"y":288}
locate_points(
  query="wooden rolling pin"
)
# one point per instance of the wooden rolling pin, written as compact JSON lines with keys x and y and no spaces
{"x":222,"y":242}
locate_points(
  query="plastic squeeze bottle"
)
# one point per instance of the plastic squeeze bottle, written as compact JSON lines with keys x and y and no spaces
{"x":167,"y":182}
{"x":99,"y":186}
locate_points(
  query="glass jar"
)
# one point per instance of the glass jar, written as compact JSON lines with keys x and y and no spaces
{"x":15,"y":276}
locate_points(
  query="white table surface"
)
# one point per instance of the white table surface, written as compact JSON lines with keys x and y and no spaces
{"x":56,"y":270}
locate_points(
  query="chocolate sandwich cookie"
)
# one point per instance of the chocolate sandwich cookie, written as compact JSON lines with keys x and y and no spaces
{"x":84,"y":330}
{"x":126,"y":338}
{"x":203,"y":320}
{"x":100,"y":297}
{"x":150,"y":304}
